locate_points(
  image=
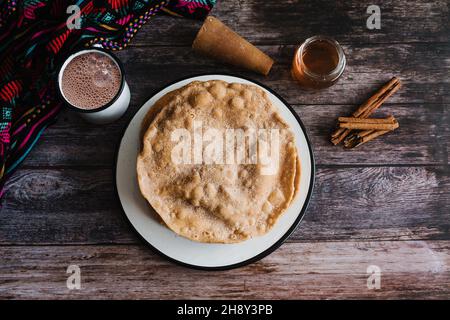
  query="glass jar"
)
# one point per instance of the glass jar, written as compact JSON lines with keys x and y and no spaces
{"x":318,"y":63}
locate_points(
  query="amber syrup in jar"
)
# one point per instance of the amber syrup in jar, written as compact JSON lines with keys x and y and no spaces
{"x":318,"y":63}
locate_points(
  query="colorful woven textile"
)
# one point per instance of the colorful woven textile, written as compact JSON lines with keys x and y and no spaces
{"x":35,"y":38}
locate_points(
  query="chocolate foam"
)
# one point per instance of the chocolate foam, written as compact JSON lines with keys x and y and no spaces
{"x":91,"y":80}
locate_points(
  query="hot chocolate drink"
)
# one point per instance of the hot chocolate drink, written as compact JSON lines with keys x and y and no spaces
{"x":91,"y":80}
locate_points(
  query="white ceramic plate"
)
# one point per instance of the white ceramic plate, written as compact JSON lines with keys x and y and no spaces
{"x":204,"y":255}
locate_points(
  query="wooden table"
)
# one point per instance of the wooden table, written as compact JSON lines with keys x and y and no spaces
{"x":386,"y":203}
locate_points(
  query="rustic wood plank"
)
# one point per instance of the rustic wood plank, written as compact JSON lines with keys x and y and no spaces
{"x":84,"y":202}
{"x":423,"y":68}
{"x":72,"y":141}
{"x":280,"y":22}
{"x":421,"y":105}
{"x":421,"y":138}
{"x":412,"y":269}
{"x":446,"y":132}
{"x":384,"y":203}
{"x":79,"y":206}
{"x":63,"y":202}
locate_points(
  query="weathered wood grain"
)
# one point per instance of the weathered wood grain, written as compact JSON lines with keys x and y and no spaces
{"x":79,"y":206}
{"x":383,"y":204}
{"x":382,"y":201}
{"x":409,"y":269}
{"x":423,"y":69}
{"x":446,"y":131}
{"x":421,"y":105}
{"x":421,"y":139}
{"x":290,"y":22}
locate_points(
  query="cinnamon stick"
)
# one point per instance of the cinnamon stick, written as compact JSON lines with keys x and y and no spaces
{"x":365,"y":133}
{"x":341,"y":133}
{"x":361,"y":140}
{"x":375,"y":101}
{"x":367,"y":108}
{"x":387,"y":120}
{"x":352,"y":139}
{"x":369,"y":126}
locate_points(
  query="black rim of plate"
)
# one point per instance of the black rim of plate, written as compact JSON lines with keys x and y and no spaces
{"x":283,"y":238}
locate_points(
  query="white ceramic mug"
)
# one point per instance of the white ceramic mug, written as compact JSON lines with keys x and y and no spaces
{"x":109,"y":112}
